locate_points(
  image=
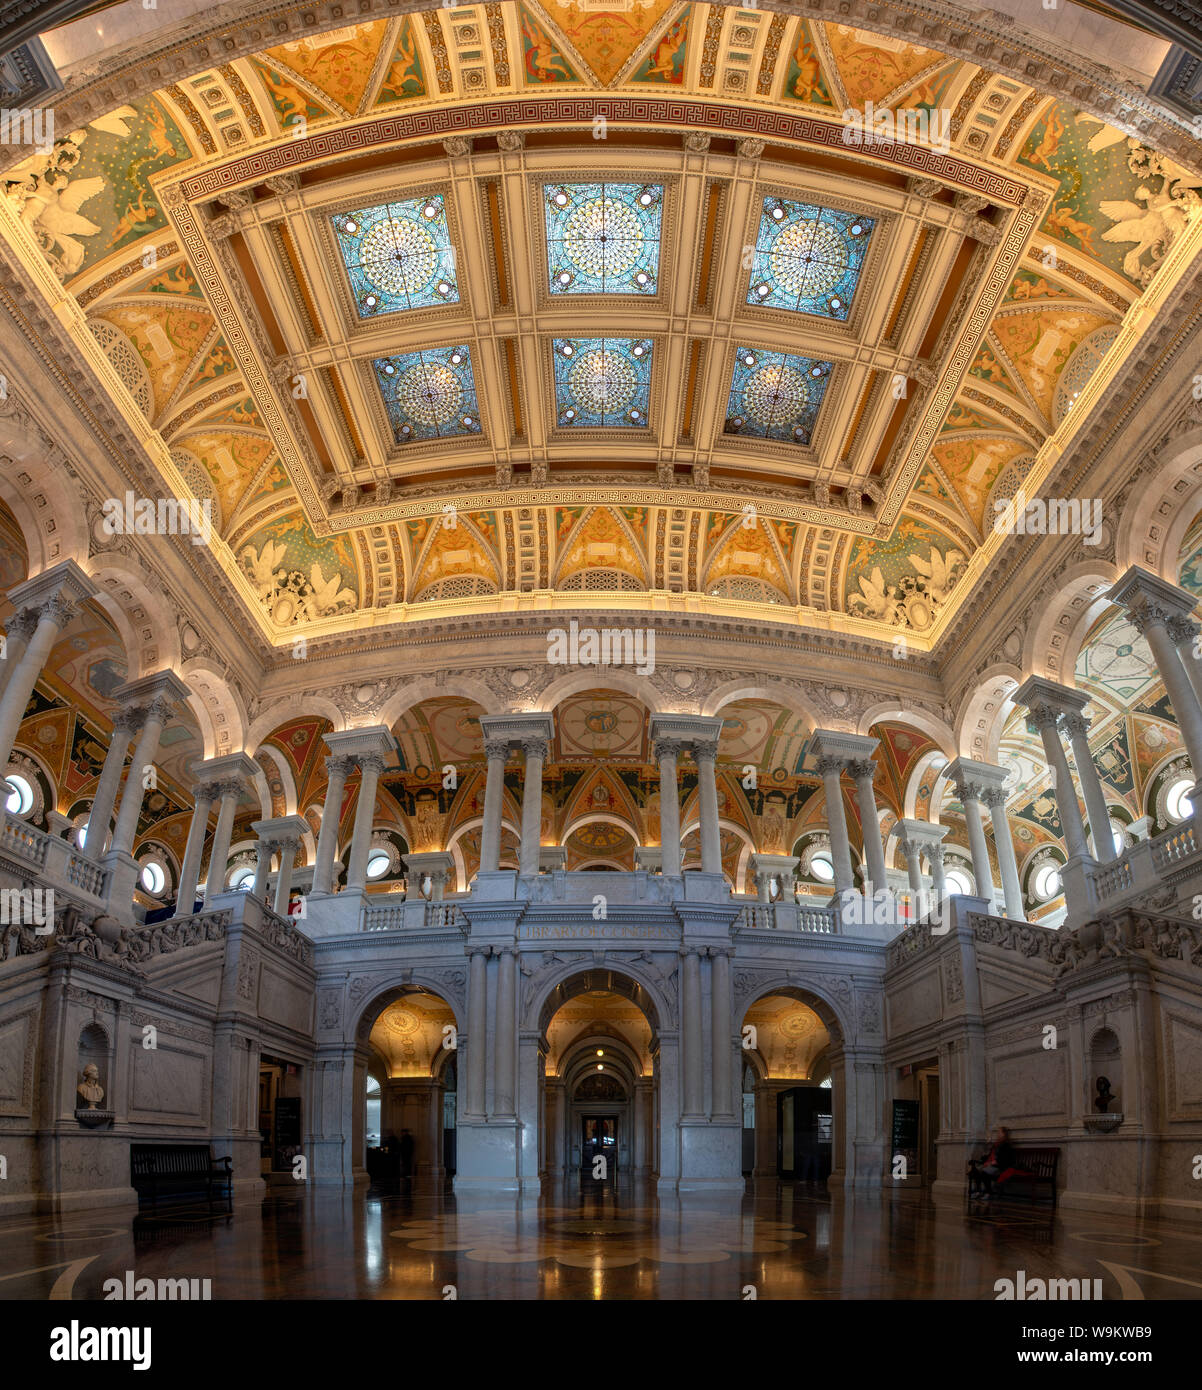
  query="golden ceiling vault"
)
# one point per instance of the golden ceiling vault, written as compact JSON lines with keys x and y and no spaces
{"x":533,"y":300}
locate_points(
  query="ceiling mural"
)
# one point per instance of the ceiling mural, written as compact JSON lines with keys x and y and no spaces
{"x":789,"y":1036}
{"x":316,"y":340}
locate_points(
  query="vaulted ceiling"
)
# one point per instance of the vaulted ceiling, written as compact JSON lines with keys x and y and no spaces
{"x":533,"y":299}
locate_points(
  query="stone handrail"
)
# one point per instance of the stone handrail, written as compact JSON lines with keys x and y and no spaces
{"x":59,"y":865}
{"x":23,"y":841}
{"x":1109,"y":879}
{"x":789,"y":917}
{"x":1174,"y":846}
{"x":414,"y":916}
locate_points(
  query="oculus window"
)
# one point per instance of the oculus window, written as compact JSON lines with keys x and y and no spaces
{"x":429,"y":394}
{"x":602,"y":382}
{"x":775,"y":395}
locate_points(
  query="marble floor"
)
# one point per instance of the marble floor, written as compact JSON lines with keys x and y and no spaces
{"x":614,"y":1241}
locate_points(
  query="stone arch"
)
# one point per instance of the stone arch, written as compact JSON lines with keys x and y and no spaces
{"x":932,"y":760}
{"x":920,"y":720}
{"x":746,"y":688}
{"x":427,"y":688}
{"x":393,"y":985}
{"x":456,"y":853}
{"x":1059,"y":625}
{"x":1152,"y":515}
{"x":635,"y":982}
{"x":984,"y":710}
{"x":220,"y":712}
{"x":814,"y":994}
{"x":268,"y":720}
{"x":42,"y":497}
{"x":606,"y":818}
{"x":143,"y":614}
{"x":599,"y":678}
{"x":280,"y":763}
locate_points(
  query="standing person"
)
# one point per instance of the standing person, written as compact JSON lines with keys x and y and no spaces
{"x":406,"y":1154}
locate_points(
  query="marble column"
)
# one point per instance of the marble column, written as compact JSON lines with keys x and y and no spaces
{"x":705,"y":752}
{"x":146,"y":750}
{"x":264,"y":849}
{"x":477,"y":1047}
{"x":667,"y":750}
{"x":1184,"y":632}
{"x":370,"y":767}
{"x":497,"y":752}
{"x":969,"y":794}
{"x":934,"y":853}
{"x":691,"y":1060}
{"x":125,"y":721}
{"x":911,"y":849}
{"x":642,"y":1128}
{"x":230,"y":790}
{"x":535,"y":750}
{"x":205,"y":793}
{"x":995,"y":799}
{"x":338,"y":769}
{"x":504,"y":1040}
{"x":20,"y":628}
{"x":830,"y":769}
{"x":1045,"y":718}
{"x":53,"y":616}
{"x":1076,"y":726}
{"x":286,"y":848}
{"x":863,"y":771}
{"x":720,"y":1028}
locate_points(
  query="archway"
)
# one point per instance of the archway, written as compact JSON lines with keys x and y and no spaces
{"x":406,"y":1081}
{"x":790,"y":1041}
{"x":599,"y":1094}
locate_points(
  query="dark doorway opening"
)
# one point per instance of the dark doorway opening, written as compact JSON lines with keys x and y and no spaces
{"x":803,"y":1133}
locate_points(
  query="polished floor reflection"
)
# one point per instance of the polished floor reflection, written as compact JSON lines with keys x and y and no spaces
{"x":599,"y":1241}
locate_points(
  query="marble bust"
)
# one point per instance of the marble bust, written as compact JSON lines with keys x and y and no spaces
{"x":90,"y":1088}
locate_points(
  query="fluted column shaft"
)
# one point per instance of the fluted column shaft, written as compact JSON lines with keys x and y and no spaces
{"x":124,"y":722}
{"x":711,"y":841}
{"x":863,"y":772}
{"x":338,"y":769}
{"x":1045,"y":719}
{"x":145,"y":751}
{"x":219,"y":851}
{"x":666,"y":753}
{"x":1077,"y":728}
{"x":691,"y":1059}
{"x":370,"y":768}
{"x":264,"y":849}
{"x":494,"y":794}
{"x":720,"y":1029}
{"x":969,"y":795}
{"x":283,"y":884}
{"x":532,"y":804}
{"x":477,"y":1052}
{"x":189,"y":872}
{"x":995,"y":799}
{"x":53,"y":616}
{"x":505,"y":1039}
{"x":831,"y":770}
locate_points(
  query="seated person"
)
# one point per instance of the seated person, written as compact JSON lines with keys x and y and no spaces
{"x":996,"y":1168}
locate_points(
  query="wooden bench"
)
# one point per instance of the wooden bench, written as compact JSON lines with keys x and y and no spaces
{"x":181,"y":1169}
{"x":1033,"y":1167}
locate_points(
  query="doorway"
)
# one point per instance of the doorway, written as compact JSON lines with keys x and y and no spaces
{"x":803,"y":1130}
{"x":280,"y":1092}
{"x":599,"y":1135}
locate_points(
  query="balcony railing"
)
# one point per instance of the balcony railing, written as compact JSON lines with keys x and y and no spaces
{"x":788,"y":917}
{"x":414,"y":916}
{"x":57,"y":864}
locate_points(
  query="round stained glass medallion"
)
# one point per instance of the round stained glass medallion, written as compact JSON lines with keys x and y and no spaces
{"x":808,"y":258}
{"x":603,"y":238}
{"x":602,"y":381}
{"x":398,"y":256}
{"x":776,"y":392}
{"x":430,"y":393}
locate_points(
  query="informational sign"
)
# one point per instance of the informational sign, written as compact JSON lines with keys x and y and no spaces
{"x":904,"y":1139}
{"x":287,"y":1132}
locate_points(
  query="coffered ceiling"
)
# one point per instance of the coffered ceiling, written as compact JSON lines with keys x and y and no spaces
{"x":528,"y":300}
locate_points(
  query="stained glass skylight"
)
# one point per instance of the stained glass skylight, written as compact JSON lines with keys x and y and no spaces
{"x":775,"y":395}
{"x":602,"y":381}
{"x":603,"y":238}
{"x":398,"y":256}
{"x":429,"y":394}
{"x":808,"y":259}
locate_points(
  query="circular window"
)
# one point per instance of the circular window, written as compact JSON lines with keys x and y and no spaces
{"x":1177,"y":803}
{"x":1046,"y":883}
{"x":822,"y":868}
{"x":378,"y":864}
{"x":1116,"y":834}
{"x":20,"y":798}
{"x":957,"y":882}
{"x":242,"y":880}
{"x":154,"y":880}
